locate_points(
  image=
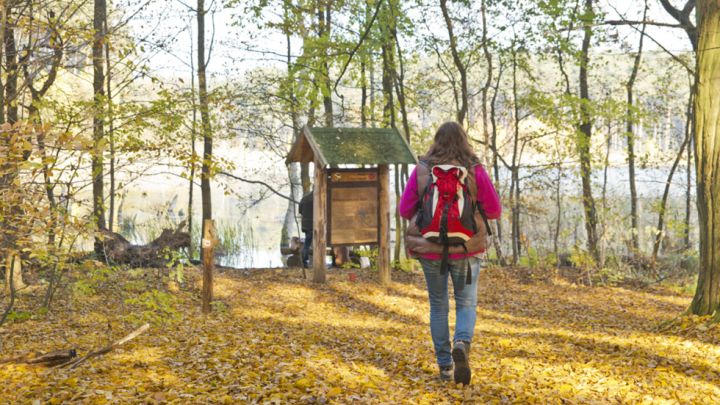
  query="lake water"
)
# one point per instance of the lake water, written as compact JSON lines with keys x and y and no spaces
{"x":254,"y":229}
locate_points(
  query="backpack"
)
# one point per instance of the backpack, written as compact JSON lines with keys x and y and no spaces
{"x":448,"y":210}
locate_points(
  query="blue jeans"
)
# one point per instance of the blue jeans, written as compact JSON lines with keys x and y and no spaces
{"x":306,"y":248}
{"x":465,"y":303}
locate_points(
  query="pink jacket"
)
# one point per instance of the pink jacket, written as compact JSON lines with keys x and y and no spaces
{"x":487,"y":196}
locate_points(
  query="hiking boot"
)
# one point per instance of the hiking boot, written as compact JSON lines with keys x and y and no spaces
{"x":460,"y":355}
{"x":446,"y":373}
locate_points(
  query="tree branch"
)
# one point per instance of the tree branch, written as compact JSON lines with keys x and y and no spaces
{"x":633,"y":22}
{"x":262,"y":183}
{"x":357,"y":46}
{"x":137,"y":332}
{"x":683,"y":17}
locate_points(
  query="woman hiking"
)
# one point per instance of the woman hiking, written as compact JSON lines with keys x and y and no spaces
{"x":450,"y":153}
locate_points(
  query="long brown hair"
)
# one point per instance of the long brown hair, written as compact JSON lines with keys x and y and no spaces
{"x":451,"y":145}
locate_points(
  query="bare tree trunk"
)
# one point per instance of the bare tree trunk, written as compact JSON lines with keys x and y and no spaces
{"x":497,"y":241}
{"x":583,"y":140}
{"x":11,"y":71}
{"x":305,"y":167}
{"x":36,"y":95}
{"x":515,"y":175}
{"x":630,"y":117}
{"x":193,"y":150}
{"x":10,"y":284}
{"x":99,"y":18}
{"x":707,"y":136}
{"x":401,"y":224}
{"x":389,"y":82}
{"x":9,"y":171}
{"x":371,"y":115}
{"x":324,"y":31}
{"x":4,"y":8}
{"x":490,"y":163}
{"x":110,"y":134}
{"x":486,"y":86}
{"x":204,"y":116}
{"x":13,"y":272}
{"x":364,"y":56}
{"x":663,"y":203}
{"x":293,"y":171}
{"x":388,"y":51}
{"x":290,"y":224}
{"x":459,"y":64}
{"x":558,"y":206}
{"x":688,"y":190}
{"x":606,"y":164}
{"x":558,"y":195}
{"x":363,"y":95}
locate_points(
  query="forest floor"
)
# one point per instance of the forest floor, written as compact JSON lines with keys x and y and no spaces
{"x":275,"y":337}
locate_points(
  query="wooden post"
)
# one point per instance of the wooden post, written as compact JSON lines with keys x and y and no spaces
{"x":384,"y":225}
{"x":208,"y":248}
{"x":13,"y":271}
{"x":319,"y":223}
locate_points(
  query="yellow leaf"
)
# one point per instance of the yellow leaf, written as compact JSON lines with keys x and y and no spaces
{"x":71,"y":382}
{"x":335,"y":391}
{"x":303,"y":383}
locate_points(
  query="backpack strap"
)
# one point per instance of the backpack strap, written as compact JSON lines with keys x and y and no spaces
{"x":422,"y":172}
{"x":444,"y":239}
{"x":473,"y":191}
{"x":468,"y":269}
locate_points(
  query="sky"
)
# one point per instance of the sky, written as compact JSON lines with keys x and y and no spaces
{"x":237,"y":49}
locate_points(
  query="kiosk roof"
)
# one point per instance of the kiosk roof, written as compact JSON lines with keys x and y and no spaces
{"x":336,"y":146}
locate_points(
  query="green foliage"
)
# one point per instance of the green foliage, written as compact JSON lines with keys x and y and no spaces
{"x":406,"y":265}
{"x":175,"y":265}
{"x":372,"y":253}
{"x":83,"y":288}
{"x":611,"y":275}
{"x":19,"y":316}
{"x":582,"y":259}
{"x":154,"y":306}
{"x":350,"y":265}
{"x":135,"y":286}
{"x":219,"y":307}
{"x":92,"y":276}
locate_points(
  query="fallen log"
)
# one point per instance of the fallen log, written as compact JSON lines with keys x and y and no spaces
{"x":120,"y":251}
{"x":56,"y":358}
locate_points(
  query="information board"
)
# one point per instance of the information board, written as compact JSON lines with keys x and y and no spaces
{"x":353,"y":207}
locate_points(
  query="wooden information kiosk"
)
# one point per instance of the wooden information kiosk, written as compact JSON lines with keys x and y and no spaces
{"x":351,"y":201}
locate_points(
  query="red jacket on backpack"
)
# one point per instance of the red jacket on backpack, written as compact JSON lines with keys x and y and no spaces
{"x":486,"y":196}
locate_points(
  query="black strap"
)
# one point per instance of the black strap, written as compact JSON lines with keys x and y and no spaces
{"x":444,"y":239}
{"x":468,"y":270}
{"x":424,"y":191}
{"x":445,"y":259}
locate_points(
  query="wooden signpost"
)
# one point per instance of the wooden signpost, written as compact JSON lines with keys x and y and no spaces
{"x":351,"y":204}
{"x":319,"y":215}
{"x":208,"y":250}
{"x":384,"y":246}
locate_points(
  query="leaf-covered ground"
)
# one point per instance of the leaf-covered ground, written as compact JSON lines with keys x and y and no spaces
{"x":277,"y":338}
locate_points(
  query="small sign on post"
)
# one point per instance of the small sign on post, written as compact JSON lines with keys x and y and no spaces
{"x":208,"y":251}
